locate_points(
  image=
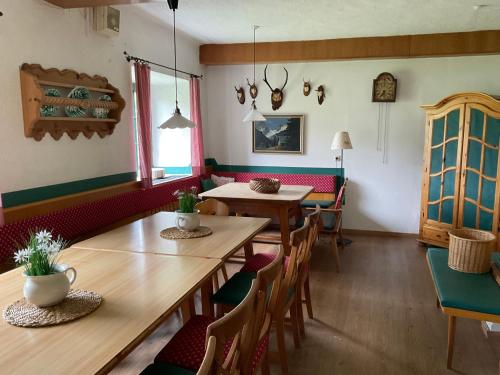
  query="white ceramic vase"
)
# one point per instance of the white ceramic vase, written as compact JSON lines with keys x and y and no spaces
{"x":49,"y":290}
{"x":187,"y":221}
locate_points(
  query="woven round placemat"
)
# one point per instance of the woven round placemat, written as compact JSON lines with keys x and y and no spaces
{"x":77,"y":304}
{"x":173,"y":233}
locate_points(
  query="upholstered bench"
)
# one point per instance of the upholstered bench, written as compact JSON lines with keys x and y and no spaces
{"x":473,"y":296}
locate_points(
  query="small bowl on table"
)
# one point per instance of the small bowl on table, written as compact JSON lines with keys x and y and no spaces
{"x":265,"y":185}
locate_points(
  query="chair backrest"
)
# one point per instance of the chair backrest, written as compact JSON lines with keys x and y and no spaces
{"x":212,"y":207}
{"x":340,"y":196}
{"x":235,"y":328}
{"x":298,"y":252}
{"x":268,"y":281}
{"x":207,"y":366}
{"x":314,"y":224}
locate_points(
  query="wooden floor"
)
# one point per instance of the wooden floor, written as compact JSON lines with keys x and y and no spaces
{"x":378,"y":316}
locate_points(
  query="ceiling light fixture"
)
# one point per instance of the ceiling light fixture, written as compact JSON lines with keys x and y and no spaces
{"x":254,"y":114}
{"x":177,"y":120}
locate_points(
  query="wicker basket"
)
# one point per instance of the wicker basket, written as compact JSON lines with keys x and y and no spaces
{"x":470,"y":250}
{"x":265,"y":185}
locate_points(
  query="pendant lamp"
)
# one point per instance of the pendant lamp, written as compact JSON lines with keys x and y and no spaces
{"x":177,"y":120}
{"x":254,"y":114}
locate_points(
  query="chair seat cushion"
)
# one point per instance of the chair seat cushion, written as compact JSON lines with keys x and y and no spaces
{"x":259,"y":261}
{"x":322,"y":203}
{"x":165,"y":369}
{"x":235,"y":289}
{"x":187,"y":348}
{"x":259,"y":352}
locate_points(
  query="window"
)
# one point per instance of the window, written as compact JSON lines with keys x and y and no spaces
{"x":171,"y":148}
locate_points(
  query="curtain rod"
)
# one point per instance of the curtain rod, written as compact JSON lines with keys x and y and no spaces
{"x":140,"y":60}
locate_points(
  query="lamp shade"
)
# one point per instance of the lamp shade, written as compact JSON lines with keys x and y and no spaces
{"x":177,"y":121}
{"x":254,"y":115}
{"x":341,"y":141}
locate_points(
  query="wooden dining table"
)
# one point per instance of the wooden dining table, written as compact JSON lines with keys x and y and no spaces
{"x":140,"y":291}
{"x":283,"y":204}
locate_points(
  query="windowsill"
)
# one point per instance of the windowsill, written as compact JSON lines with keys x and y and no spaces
{"x":170,"y":178}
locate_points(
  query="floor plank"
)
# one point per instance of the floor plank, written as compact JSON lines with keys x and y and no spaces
{"x":378,"y":316}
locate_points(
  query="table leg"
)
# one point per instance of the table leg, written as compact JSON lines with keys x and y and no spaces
{"x":284,"y":229}
{"x":451,"y":339}
{"x":207,"y":306}
{"x":248,"y":247}
{"x":188,"y":309}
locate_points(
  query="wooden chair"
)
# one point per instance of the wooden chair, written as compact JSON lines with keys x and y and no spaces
{"x":233,"y":334}
{"x":331,"y":223}
{"x":303,"y":289}
{"x":216,"y":208}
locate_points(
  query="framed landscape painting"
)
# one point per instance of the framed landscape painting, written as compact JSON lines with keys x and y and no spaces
{"x":279,"y":134}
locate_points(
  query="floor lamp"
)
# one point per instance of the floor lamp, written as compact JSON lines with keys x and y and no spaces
{"x":342,"y":141}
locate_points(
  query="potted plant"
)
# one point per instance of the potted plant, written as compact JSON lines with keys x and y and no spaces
{"x":46,"y":281}
{"x":187,"y":217}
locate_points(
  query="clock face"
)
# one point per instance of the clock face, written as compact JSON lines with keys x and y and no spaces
{"x":384,"y":88}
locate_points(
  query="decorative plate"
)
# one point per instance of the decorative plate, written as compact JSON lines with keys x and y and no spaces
{"x":50,"y":110}
{"x":77,"y":93}
{"x":102,"y":112}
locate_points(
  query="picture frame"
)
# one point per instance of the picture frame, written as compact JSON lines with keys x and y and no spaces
{"x":279,"y":134}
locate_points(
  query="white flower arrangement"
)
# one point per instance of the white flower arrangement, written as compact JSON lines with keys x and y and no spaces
{"x":40,"y":254}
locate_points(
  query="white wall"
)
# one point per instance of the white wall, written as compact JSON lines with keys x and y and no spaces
{"x":380,"y":196}
{"x":33,"y":31}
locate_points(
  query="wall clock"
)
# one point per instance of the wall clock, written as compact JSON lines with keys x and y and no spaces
{"x":384,"y":88}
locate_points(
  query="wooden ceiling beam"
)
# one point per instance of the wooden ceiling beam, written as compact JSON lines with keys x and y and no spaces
{"x":95,"y":3}
{"x":404,"y":46}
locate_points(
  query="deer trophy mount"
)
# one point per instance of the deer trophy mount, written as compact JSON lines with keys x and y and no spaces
{"x":254,"y":91}
{"x":321,"y":94}
{"x":307,"y":87}
{"x":240,"y":94}
{"x":276,"y":94}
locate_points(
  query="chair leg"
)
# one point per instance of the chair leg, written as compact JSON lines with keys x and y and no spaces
{"x":307,"y":296}
{"x":280,"y":339}
{"x":300,"y":312}
{"x":294,"y":320}
{"x":224,"y":273}
{"x":335,"y":250}
{"x":341,"y":237}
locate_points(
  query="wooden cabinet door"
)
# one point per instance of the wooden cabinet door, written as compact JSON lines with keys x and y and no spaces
{"x":442,"y":164}
{"x":479,"y":196}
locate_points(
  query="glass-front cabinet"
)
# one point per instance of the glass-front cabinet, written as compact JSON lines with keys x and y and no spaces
{"x":460,"y":177}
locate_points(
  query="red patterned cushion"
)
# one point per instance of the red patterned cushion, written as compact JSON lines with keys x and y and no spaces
{"x":259,"y":261}
{"x":321,"y":183}
{"x":187,"y":348}
{"x":259,"y":352}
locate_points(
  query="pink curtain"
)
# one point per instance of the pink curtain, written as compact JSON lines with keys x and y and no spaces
{"x":197,"y":156}
{"x":143,"y":89}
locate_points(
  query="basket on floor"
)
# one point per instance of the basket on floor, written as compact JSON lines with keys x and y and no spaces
{"x":470,"y":250}
{"x":265,"y":185}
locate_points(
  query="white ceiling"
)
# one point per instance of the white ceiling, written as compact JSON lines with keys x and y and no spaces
{"x":231,"y":21}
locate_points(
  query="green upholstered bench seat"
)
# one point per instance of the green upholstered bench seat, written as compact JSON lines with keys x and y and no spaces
{"x":464,"y":291}
{"x":311,"y":203}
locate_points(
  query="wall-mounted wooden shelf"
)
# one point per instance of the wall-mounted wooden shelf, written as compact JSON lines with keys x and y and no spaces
{"x":34,"y":81}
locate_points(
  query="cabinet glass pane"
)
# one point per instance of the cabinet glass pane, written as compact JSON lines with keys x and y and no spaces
{"x":469,"y":215}
{"x":488,"y":194}
{"x":449,"y":184}
{"x":451,"y":154}
{"x":433,"y":211}
{"x":434,"y":188}
{"x":453,"y":122}
{"x":485,"y":221}
{"x":447,"y":211}
{"x":471,"y":184}
{"x":476,"y":123}
{"x":474,"y":157}
{"x":437,"y":131}
{"x":436,"y":159}
{"x":490,"y":162}
{"x":492,"y":131}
